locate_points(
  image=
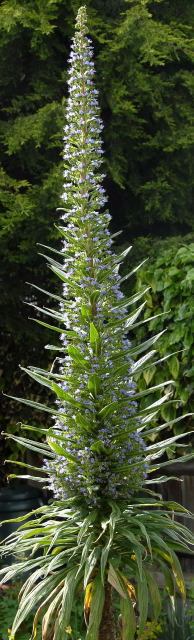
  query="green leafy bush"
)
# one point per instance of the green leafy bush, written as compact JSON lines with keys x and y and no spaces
{"x":170,"y":277}
{"x":8,"y":609}
{"x":178,"y":623}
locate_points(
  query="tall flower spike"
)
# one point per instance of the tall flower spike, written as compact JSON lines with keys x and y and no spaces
{"x":98,"y":422}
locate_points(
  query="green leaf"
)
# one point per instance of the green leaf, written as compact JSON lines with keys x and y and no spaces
{"x":53,"y":262}
{"x":41,"y":379}
{"x":94,"y":337}
{"x":173,"y":365}
{"x":63,"y":395}
{"x":145,"y":345}
{"x":27,"y":477}
{"x":94,"y":384}
{"x":51,"y":611}
{"x":167,"y":424}
{"x":138,"y":555}
{"x":154,"y":594}
{"x":32,"y":599}
{"x":134,"y":542}
{"x":178,"y":573}
{"x":34,"y":405}
{"x":168,"y":554}
{"x":157,"y":387}
{"x":82,"y":422}
{"x":77,"y":357}
{"x":108,"y":409}
{"x":162,"y":479}
{"x":104,"y":558}
{"x":133,"y":317}
{"x":96,"y":609}
{"x":85,"y":550}
{"x":156,"y":466}
{"x":123,"y":255}
{"x":70,"y":583}
{"x":168,"y":577}
{"x":44,"y":324}
{"x":139,"y":364}
{"x":128,"y":619}
{"x":128,"y":275}
{"x":142,"y":598}
{"x":59,"y":253}
{"x":130,"y":301}
{"x":116,"y":513}
{"x":98,"y":446}
{"x":61,"y":451}
{"x":149,"y":374}
{"x":86,"y":524}
{"x":59,"y":272}
{"x":114,"y":517}
{"x":91,"y":563}
{"x":94,"y":295}
{"x":143,"y":322}
{"x":48,"y":312}
{"x":48,"y":293}
{"x":32,"y":445}
{"x":159,"y":403}
{"x":115,"y":235}
{"x":86,"y":312}
{"x":115,"y":581}
{"x":168,"y":441}
{"x":52,"y":347}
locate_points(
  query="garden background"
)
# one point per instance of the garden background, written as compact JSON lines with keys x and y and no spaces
{"x":144,"y":58}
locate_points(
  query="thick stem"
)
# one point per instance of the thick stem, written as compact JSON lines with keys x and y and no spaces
{"x":107,"y":627}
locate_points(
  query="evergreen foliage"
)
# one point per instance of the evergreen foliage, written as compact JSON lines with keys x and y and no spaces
{"x":101,"y":522}
{"x":170,"y":278}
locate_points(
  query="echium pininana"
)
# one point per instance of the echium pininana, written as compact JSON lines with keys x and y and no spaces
{"x":97,"y":415}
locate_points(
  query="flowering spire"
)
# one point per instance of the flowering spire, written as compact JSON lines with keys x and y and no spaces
{"x":97,"y":413}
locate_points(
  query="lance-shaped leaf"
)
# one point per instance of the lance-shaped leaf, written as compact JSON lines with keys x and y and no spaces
{"x":116,"y":582}
{"x":70,"y":583}
{"x":94,"y":384}
{"x":131,"y":300}
{"x":39,"y":592}
{"x":61,"y":451}
{"x":82,"y":422}
{"x":64,"y":395}
{"x":154,"y":594}
{"x":96,"y":609}
{"x":34,"y":405}
{"x":128,"y":619}
{"x":31,"y":444}
{"x":94,"y":337}
{"x":91,"y":563}
{"x":47,"y":293}
{"x":77,"y":356}
{"x":123,"y":255}
{"x":142,"y":596}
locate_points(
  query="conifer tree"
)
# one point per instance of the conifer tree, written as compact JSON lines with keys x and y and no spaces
{"x":101,"y":531}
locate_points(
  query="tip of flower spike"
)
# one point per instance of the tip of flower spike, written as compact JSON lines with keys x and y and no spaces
{"x":81,"y":20}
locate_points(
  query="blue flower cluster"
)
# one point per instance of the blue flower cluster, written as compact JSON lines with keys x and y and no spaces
{"x":97,"y":425}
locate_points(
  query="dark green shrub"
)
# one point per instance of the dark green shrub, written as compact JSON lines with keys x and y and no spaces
{"x":170,"y":276}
